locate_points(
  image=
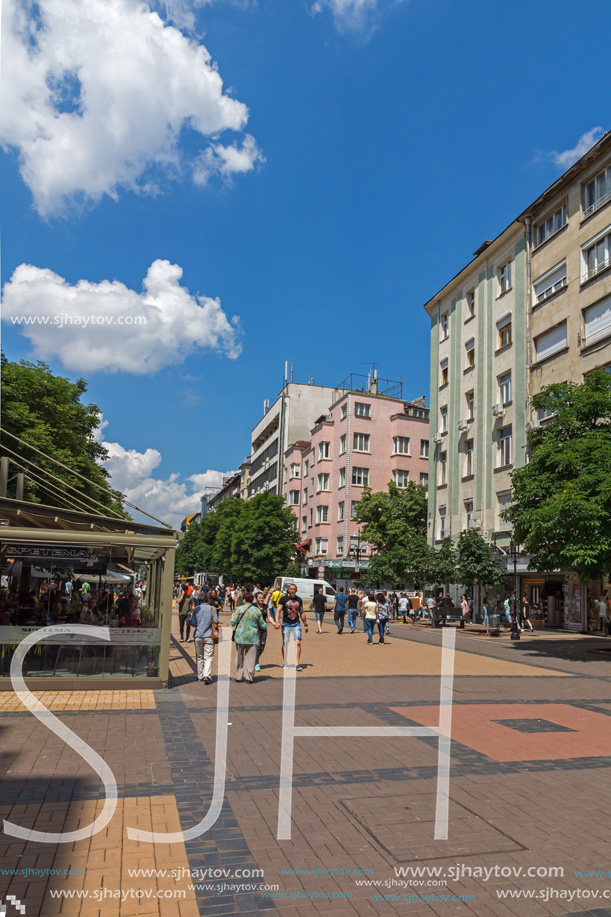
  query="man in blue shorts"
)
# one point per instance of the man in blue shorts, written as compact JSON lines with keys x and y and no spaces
{"x":293,"y":616}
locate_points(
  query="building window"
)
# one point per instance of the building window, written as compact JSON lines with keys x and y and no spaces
{"x":293,"y":497}
{"x":471,"y":303}
{"x":550,"y":342}
{"x":322,"y":514}
{"x":361,"y":409}
{"x":443,"y":366}
{"x":424,"y":478}
{"x":311,"y":516}
{"x":340,"y":511}
{"x":468,"y":514}
{"x":504,"y":446}
{"x":401,"y":478}
{"x":353,"y":507}
{"x":400,"y":445}
{"x":342,"y":477}
{"x":443,"y":414}
{"x":445,"y":325}
{"x":322,"y":545}
{"x":304,"y":523}
{"x":360,"y":442}
{"x":503,"y":502}
{"x":306,"y":469}
{"x":424,"y":448}
{"x":470,"y":399}
{"x":597,"y":192}
{"x":323,"y":482}
{"x":324,"y":450}
{"x":503,"y":327}
{"x":597,"y":321}
{"x":343,"y":412}
{"x":443,"y":468}
{"x":442,"y":522}
{"x":295,"y":470}
{"x":360,"y":476}
{"x":596,"y":255}
{"x":470,"y":353}
{"x":550,"y":283}
{"x":504,"y":275}
{"x":549,"y":226}
{"x":340,"y":545}
{"x":505,"y":388}
{"x":305,"y":495}
{"x":342,"y":444}
{"x":469,"y":457}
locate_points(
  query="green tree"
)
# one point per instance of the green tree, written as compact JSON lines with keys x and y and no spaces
{"x":395,"y":527}
{"x":476,"y":562}
{"x":206,"y":546}
{"x":246,"y":542}
{"x":264,"y":538}
{"x":443,"y":564}
{"x":46,"y":412}
{"x":392,"y":518}
{"x":561,"y":500}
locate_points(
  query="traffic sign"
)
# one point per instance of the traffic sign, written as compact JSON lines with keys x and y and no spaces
{"x":321,"y":570}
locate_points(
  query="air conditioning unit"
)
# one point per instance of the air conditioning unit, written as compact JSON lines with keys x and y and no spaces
{"x":463,"y":425}
{"x":532,"y":425}
{"x":438,"y":438}
{"x":498,"y":410}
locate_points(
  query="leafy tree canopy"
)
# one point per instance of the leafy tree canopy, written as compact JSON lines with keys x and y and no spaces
{"x":393,"y":518}
{"x":476,"y":562}
{"x":46,"y":411}
{"x":246,"y":542}
{"x":561,"y":509}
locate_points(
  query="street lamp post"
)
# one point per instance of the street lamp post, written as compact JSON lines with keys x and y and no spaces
{"x":354,"y":551}
{"x":514,"y":551}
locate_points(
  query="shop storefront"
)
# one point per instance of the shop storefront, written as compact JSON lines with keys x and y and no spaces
{"x":61,"y":567}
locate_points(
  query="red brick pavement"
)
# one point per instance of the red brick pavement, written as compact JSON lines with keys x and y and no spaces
{"x":518,"y":798}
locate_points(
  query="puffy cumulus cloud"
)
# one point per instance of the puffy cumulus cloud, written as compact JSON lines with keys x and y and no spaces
{"x":227,"y":161}
{"x":107,"y":327}
{"x":565,"y":158}
{"x":169,"y":499}
{"x":349,"y":15}
{"x":95,"y":95}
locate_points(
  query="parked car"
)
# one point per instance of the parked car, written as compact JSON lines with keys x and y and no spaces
{"x":306,"y":587}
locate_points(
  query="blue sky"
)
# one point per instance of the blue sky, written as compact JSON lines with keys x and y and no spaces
{"x":352,"y":161}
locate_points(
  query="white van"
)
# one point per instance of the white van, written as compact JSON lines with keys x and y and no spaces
{"x":305,"y":589}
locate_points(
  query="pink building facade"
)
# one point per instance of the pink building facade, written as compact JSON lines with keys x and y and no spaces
{"x":365,"y":439}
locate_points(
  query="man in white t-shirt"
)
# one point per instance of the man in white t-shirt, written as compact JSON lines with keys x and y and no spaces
{"x":403,"y":607}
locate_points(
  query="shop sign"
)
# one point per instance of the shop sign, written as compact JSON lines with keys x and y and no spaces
{"x":334,"y":564}
{"x":349,"y":564}
{"x":50,"y":552}
{"x":119,"y":636}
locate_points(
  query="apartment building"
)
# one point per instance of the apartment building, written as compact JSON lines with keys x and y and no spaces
{"x":532,"y":308}
{"x":289,"y":418}
{"x":568,"y":229}
{"x":363,"y":439}
{"x":478,"y":389}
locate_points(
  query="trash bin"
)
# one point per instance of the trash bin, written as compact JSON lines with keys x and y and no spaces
{"x":494,"y":621}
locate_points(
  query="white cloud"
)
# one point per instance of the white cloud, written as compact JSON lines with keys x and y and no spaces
{"x":95,"y":95}
{"x":227,"y":161}
{"x":168,"y":499}
{"x":107,"y":327}
{"x":349,"y":15}
{"x":565,"y":158}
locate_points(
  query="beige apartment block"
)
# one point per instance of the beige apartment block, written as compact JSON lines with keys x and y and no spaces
{"x":569,"y":239}
{"x":477,"y":402}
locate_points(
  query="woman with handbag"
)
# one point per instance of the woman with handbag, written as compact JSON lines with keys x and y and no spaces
{"x":247,"y":621}
{"x":205,"y":620}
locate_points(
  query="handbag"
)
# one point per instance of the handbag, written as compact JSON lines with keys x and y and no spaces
{"x":214,"y":631}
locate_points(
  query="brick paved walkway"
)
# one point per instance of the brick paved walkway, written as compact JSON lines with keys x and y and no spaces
{"x":530,"y":785}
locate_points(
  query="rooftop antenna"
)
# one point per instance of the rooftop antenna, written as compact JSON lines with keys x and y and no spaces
{"x":291,"y":370}
{"x":311,"y":382}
